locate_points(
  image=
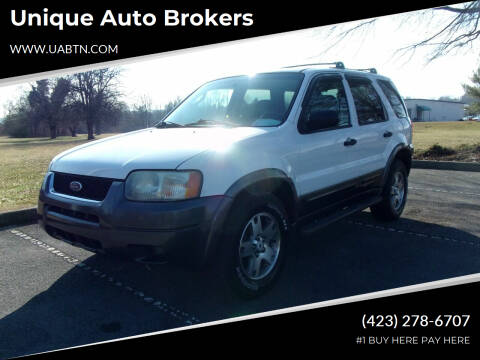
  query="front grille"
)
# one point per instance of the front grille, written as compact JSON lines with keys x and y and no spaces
{"x":93,"y":188}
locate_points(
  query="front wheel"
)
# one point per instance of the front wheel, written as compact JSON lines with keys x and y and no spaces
{"x":254,"y":247}
{"x":394,"y":194}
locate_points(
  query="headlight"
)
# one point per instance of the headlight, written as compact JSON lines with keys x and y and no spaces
{"x":163,"y":185}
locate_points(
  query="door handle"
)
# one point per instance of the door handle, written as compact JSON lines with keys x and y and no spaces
{"x":387,"y":134}
{"x":350,"y":142}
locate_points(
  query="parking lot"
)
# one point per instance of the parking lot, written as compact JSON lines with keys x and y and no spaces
{"x":54,"y":295}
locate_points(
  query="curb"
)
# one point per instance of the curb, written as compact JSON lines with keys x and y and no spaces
{"x":18,"y":217}
{"x":445,"y":165}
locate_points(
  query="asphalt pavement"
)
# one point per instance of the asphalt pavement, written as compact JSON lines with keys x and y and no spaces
{"x":53,"y":295}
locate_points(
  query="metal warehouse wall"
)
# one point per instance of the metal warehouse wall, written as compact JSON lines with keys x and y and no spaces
{"x":440,"y":110}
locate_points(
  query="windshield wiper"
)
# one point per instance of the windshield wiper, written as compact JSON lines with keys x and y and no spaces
{"x":168,"y":124}
{"x":201,"y":122}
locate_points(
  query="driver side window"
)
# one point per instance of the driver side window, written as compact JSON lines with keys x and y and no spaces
{"x":325,"y":107}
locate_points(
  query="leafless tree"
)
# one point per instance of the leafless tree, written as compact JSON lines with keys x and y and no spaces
{"x":57,"y":101}
{"x":144,"y":108}
{"x":38,"y":99}
{"x":96,"y":91}
{"x":172,"y":104}
{"x":459,"y":30}
{"x":47,"y":101}
{"x":73,"y":116}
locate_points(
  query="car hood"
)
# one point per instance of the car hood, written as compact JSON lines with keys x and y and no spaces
{"x":115,"y":157}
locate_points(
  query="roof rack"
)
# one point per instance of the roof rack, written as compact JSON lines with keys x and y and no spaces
{"x":338,"y":65}
{"x":370,"y":70}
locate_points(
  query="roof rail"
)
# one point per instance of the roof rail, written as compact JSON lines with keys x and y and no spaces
{"x":370,"y":70}
{"x":338,"y":65}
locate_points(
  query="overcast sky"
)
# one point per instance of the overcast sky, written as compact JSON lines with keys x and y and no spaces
{"x":164,"y":77}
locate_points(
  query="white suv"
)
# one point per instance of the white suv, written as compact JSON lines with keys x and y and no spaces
{"x":241,"y":163}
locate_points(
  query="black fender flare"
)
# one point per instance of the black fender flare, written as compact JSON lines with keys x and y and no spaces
{"x":268,"y":181}
{"x":258,"y":176}
{"x":393,"y":156}
{"x":247,"y":181}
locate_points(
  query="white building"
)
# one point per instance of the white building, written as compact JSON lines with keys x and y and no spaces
{"x":434,"y":110}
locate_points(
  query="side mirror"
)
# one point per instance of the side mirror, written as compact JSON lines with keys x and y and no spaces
{"x":321,"y":119}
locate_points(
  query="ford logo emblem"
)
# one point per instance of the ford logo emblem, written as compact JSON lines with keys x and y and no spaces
{"x":75,"y":186}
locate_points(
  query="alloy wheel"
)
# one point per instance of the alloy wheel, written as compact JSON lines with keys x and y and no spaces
{"x":259,"y":246}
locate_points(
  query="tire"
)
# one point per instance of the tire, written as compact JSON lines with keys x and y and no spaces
{"x":254,"y":246}
{"x":394,"y":195}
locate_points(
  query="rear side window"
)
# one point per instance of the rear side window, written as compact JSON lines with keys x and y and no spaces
{"x":393,"y":98}
{"x":367,"y":101}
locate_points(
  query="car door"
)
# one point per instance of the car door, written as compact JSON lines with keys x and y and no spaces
{"x":401,"y":123}
{"x":374,"y":128}
{"x":328,"y":159}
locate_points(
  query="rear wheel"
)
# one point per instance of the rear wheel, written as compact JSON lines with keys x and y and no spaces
{"x":253,"y":249}
{"x":394,"y":194}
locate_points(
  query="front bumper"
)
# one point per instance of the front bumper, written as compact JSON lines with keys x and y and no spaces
{"x":185,"y":230}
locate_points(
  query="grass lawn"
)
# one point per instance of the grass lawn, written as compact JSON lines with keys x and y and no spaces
{"x":460,"y":137}
{"x":449,"y":134}
{"x":23,"y":162}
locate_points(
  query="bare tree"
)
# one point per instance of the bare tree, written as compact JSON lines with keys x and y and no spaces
{"x":144,"y":109}
{"x":459,"y":29}
{"x":39,"y":105}
{"x":172,"y":104}
{"x":47,"y":104}
{"x":57,"y":102}
{"x":96,"y":91}
{"x":73,"y":116}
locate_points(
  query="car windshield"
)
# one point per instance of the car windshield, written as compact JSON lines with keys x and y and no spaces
{"x":260,"y":100}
